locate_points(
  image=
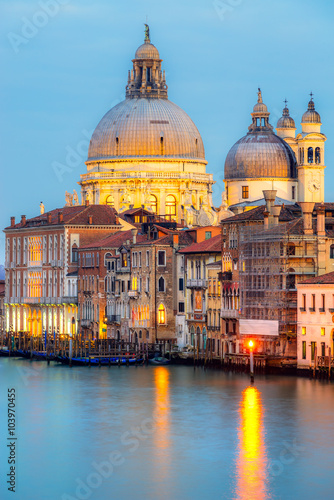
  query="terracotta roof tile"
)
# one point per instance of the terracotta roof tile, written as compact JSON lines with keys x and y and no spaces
{"x":210,"y":245}
{"x":325,"y":279}
{"x":102,"y":215}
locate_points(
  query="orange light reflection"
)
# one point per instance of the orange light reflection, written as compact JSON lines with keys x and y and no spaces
{"x":252,"y":459}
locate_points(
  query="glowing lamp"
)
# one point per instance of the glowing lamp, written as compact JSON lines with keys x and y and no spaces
{"x":250,"y":344}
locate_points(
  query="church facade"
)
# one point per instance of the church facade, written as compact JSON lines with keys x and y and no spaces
{"x":262,"y":160}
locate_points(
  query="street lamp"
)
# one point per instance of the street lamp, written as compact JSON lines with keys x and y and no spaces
{"x":251,"y":360}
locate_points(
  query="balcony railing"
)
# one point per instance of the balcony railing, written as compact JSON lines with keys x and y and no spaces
{"x":114,"y":318}
{"x":197,"y":283}
{"x":229,"y":313}
{"x":133,"y":294}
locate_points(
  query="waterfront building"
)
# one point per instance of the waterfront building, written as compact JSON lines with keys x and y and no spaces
{"x":197,"y":257}
{"x":213,"y":318}
{"x":315,"y":331}
{"x":291,"y":165}
{"x":266,"y":252}
{"x":42,"y":266}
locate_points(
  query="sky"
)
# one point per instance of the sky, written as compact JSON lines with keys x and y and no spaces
{"x":65,"y":64}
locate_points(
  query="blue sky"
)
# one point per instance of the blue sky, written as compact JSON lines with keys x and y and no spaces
{"x":66,"y":61}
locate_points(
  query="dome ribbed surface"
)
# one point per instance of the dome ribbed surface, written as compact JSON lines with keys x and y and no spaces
{"x":147,"y":51}
{"x":259,"y":155}
{"x":147,"y":128}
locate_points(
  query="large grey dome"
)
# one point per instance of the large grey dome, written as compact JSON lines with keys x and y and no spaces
{"x":258,"y":155}
{"x":146,"y":128}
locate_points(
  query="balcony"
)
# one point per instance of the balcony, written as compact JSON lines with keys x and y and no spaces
{"x":113,"y":318}
{"x":133,"y":294}
{"x":69,"y":300}
{"x":198,"y":283}
{"x":86,"y":323}
{"x":123,"y":269}
{"x":229,"y":313}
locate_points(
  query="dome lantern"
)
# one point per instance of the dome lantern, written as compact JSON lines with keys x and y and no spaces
{"x":260,"y":116}
{"x":311,"y":115}
{"x":146,"y":79}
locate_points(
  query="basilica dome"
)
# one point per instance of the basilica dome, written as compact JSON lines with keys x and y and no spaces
{"x":146,"y":128}
{"x":260,"y":153}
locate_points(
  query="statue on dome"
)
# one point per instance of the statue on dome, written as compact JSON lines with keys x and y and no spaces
{"x":68,"y":199}
{"x":259,"y":95}
{"x":42,"y":209}
{"x":147,"y":33}
{"x":75,"y":198}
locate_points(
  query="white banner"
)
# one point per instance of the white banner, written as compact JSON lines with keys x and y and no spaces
{"x":266,"y":328}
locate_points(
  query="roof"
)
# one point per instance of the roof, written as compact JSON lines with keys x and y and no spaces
{"x":325,"y":279}
{"x":206,"y":246}
{"x":102,"y":215}
{"x":287,"y":214}
{"x":114,"y":240}
{"x":2,"y":287}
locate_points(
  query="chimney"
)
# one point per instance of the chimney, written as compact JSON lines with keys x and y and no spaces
{"x":127,"y":243}
{"x":12,"y":221}
{"x":176,"y":240}
{"x":266,"y":219}
{"x":276,"y":211}
{"x":321,"y":231}
{"x":49,"y":217}
{"x":60,"y":217}
{"x":307,"y":209}
{"x":23,"y":220}
{"x":90,"y":219}
{"x":134,"y":235}
{"x":86,"y":202}
{"x":269,"y":196}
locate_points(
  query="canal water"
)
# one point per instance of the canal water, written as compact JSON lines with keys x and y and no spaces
{"x":165,"y":433}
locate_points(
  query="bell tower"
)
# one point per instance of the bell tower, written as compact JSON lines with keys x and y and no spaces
{"x":310,"y":156}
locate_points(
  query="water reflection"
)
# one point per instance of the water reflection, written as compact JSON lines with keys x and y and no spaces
{"x":252,"y":459}
{"x":162,"y":408}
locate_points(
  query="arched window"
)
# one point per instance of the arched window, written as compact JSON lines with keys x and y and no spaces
{"x":154,"y":203}
{"x":161,"y":284}
{"x":110,"y":200}
{"x":310,"y":155}
{"x":317,"y":155}
{"x":161,"y":315}
{"x":170,"y":207}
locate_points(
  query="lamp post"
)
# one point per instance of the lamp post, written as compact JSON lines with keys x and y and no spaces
{"x":251,"y":360}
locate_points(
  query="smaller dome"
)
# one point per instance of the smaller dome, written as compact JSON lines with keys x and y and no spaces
{"x":286,"y":121}
{"x":260,"y":107}
{"x":147,"y":51}
{"x":311,"y":115}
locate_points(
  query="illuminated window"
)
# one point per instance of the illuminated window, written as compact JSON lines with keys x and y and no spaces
{"x":170,"y":207}
{"x":245,"y":192}
{"x":323,"y":331}
{"x":161,"y":315}
{"x":303,"y":330}
{"x":134,"y":283}
{"x":304,"y":349}
{"x":313,"y":346}
{"x":124,"y":260}
{"x":219,"y":288}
